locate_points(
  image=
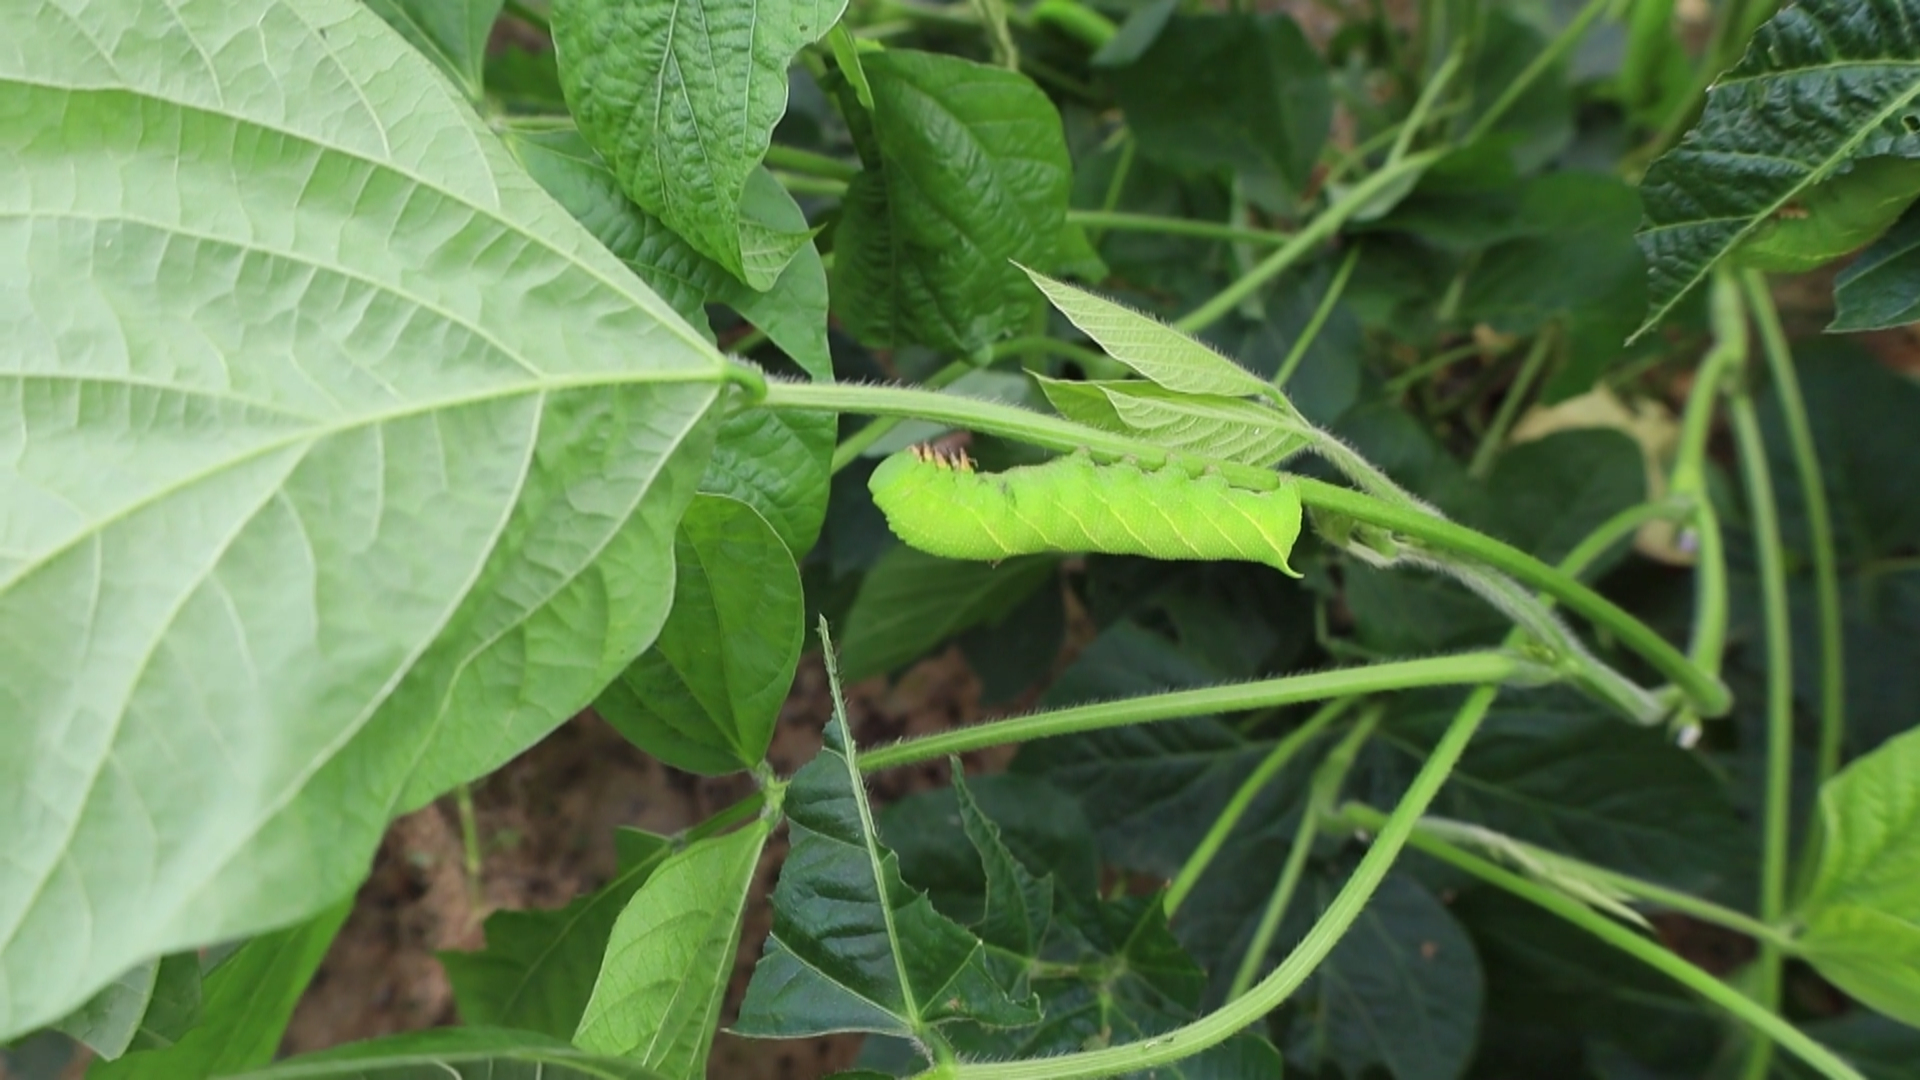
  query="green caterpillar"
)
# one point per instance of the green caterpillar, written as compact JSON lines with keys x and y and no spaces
{"x":937,"y":503}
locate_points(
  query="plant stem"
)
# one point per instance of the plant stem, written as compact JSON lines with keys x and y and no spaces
{"x":1703,"y":690}
{"x":475,"y":859}
{"x":807,"y":163}
{"x":1318,"y":321}
{"x":1555,"y":51}
{"x":1423,"y":105}
{"x":1460,"y":669}
{"x":1825,"y":1061}
{"x":1333,"y":923}
{"x":854,"y":445}
{"x":1496,"y":435}
{"x":1324,"y":225}
{"x":811,"y":185}
{"x":1773,"y":603}
{"x":1321,"y":796}
{"x":1174,"y":226}
{"x":1283,"y":752}
{"x":1813,"y":489}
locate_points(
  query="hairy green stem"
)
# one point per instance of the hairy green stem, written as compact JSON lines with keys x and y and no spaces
{"x":1460,"y":669}
{"x":1495,"y":438}
{"x":1283,"y":752}
{"x":1333,"y":923}
{"x":1813,"y":494}
{"x":1321,"y":313}
{"x":1757,"y":1016}
{"x":1773,"y":603}
{"x":1324,"y":225}
{"x":851,"y":447}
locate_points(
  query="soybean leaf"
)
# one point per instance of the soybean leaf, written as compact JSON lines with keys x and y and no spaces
{"x":248,"y":1000}
{"x":1824,"y":84}
{"x":1402,"y":991}
{"x":453,"y":34}
{"x":706,"y":696}
{"x":658,"y":996}
{"x":775,"y":461}
{"x":966,"y":173}
{"x":538,"y":968}
{"x":853,"y":947}
{"x":1041,"y":825}
{"x":1555,"y":769}
{"x":1150,"y":347}
{"x":1880,"y":1048}
{"x":681,"y":98}
{"x":911,"y":601}
{"x":1881,"y":289}
{"x":1227,"y":428}
{"x":465,"y":1053}
{"x":1858,"y":912}
{"x":1241,"y":92}
{"x":175,"y":1004}
{"x":346,"y":465}
{"x":109,"y":1021}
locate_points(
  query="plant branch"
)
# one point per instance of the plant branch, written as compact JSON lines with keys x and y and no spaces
{"x":1813,"y":489}
{"x":1743,"y":1008}
{"x":807,"y":163}
{"x":1460,"y":669}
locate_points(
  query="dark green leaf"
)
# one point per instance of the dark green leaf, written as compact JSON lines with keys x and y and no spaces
{"x":1825,"y":83}
{"x":1043,"y":827}
{"x":1546,"y":495}
{"x":1012,"y":655}
{"x":681,"y":99}
{"x":108,"y":1023}
{"x":1881,"y":289}
{"x":668,"y":962}
{"x":1240,"y":92}
{"x":1402,"y":990}
{"x":248,"y":1001}
{"x":706,"y":696}
{"x":1540,"y":124}
{"x":1019,"y":907}
{"x":465,"y":1053}
{"x":175,"y":1005}
{"x":967,"y":174}
{"x":912,"y":601}
{"x":853,"y":947}
{"x":1879,"y":1047}
{"x":1858,"y":916}
{"x":538,"y":968}
{"x":337,"y":419}
{"x":453,"y":33}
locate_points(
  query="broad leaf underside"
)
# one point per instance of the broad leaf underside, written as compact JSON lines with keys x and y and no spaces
{"x":340,"y":465}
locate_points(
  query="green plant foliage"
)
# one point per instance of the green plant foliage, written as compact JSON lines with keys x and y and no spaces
{"x":1881,"y":289}
{"x":1857,"y":913}
{"x":1232,"y":92}
{"x":466,"y":1053}
{"x":687,"y":703}
{"x":966,"y":174}
{"x":854,"y":948}
{"x":339,"y":512}
{"x":539,"y":967}
{"x":910,"y":601}
{"x":681,"y":99}
{"x":670,"y":957}
{"x":453,"y":35}
{"x":246,"y":1003}
{"x":1825,"y":84}
{"x":1157,"y":352}
{"x":1226,"y":428}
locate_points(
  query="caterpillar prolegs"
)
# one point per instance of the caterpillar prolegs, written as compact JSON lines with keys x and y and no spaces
{"x":937,"y":503}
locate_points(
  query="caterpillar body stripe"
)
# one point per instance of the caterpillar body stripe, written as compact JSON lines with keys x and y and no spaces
{"x":937,"y":503}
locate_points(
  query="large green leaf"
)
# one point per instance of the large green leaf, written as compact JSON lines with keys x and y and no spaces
{"x":1860,"y":916}
{"x":854,"y":948}
{"x":912,"y":601}
{"x":967,"y":173}
{"x":706,"y":696}
{"x":538,"y":968}
{"x":681,"y":98}
{"x":248,"y":1000}
{"x":453,"y":34}
{"x":344,"y":466}
{"x":1824,"y":84}
{"x":465,"y":1053}
{"x":671,"y":955}
{"x":1243,"y":92}
{"x":1881,"y":289}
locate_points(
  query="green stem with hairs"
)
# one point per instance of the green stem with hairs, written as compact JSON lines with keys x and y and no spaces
{"x":1339,"y":916}
{"x":1813,"y":489}
{"x":1773,"y":603}
{"x":1283,"y":752}
{"x":1758,"y":1017}
{"x":1460,"y":669}
{"x":854,"y":445}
